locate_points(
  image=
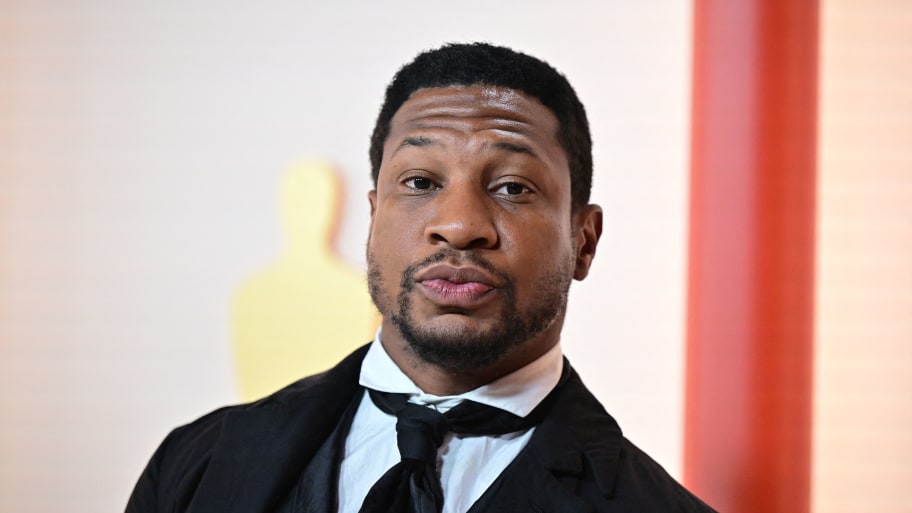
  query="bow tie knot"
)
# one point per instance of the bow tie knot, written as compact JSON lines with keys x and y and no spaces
{"x":412,"y":485}
{"x":420,"y":433}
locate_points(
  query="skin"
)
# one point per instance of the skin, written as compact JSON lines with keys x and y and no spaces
{"x":472,"y":228}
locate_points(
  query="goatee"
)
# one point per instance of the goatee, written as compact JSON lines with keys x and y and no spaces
{"x":461,"y":349}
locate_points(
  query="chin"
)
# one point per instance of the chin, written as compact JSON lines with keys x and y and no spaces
{"x":459,"y":347}
{"x":468,"y":346}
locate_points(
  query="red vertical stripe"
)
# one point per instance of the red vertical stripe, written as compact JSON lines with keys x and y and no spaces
{"x":750,"y":295}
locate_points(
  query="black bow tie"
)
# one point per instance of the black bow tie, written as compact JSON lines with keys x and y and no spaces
{"x":412,"y":486}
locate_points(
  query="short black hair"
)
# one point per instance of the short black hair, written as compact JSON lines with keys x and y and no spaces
{"x":485,"y":64}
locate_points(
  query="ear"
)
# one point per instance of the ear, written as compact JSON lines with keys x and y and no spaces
{"x":372,"y":199}
{"x":587,"y":227}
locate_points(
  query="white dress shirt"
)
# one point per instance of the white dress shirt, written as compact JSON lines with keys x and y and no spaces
{"x":466,"y":465}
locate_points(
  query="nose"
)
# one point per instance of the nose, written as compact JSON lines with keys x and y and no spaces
{"x":463,"y":218}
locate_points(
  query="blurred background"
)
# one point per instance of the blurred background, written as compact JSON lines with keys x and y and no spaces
{"x":159,"y":163}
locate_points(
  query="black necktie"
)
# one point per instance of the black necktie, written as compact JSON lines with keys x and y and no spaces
{"x":411,"y":486}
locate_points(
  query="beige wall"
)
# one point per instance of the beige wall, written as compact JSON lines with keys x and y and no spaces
{"x":863,"y":414}
{"x":141,"y":151}
{"x":142,"y":146}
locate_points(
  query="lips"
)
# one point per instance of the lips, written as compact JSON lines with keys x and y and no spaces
{"x":450,"y":286}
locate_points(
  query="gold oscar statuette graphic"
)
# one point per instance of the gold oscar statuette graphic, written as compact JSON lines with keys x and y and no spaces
{"x":308,"y":309}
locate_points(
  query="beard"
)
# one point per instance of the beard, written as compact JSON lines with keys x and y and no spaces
{"x":463,"y":349}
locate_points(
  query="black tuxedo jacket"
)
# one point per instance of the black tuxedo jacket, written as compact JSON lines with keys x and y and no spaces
{"x":248,"y":458}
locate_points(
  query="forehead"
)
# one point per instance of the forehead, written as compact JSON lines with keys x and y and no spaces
{"x":491,"y":110}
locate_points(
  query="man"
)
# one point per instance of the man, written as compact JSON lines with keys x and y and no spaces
{"x":480,"y":220}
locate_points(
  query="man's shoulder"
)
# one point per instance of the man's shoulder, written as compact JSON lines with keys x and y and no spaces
{"x":624,"y":474}
{"x":204,"y":430}
{"x":301,"y":394}
{"x":287,"y":424}
{"x":192,"y":444}
{"x":641,"y":480}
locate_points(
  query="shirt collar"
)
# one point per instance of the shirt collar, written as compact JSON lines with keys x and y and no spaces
{"x":518,"y":392}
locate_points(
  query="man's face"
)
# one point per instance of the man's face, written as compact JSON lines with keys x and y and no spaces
{"x":472,"y":243}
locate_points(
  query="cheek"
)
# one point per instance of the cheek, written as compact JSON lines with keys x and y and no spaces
{"x":542,"y":238}
{"x":391,"y":233}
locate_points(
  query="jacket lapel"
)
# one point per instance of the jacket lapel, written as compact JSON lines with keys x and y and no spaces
{"x":263,"y":449}
{"x":571,"y":461}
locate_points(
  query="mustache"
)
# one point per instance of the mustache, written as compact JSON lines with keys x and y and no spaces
{"x":454,"y":257}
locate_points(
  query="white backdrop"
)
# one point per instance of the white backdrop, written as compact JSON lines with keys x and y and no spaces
{"x":141,"y":146}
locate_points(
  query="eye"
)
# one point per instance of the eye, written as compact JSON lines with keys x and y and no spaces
{"x":512,"y":189}
{"x":419,"y":183}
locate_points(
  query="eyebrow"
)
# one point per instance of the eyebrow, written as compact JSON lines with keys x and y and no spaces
{"x":515,"y":148}
{"x":418,"y":142}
